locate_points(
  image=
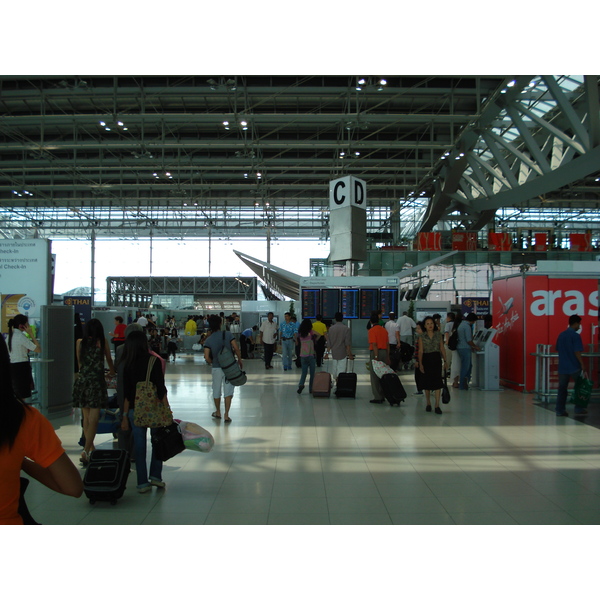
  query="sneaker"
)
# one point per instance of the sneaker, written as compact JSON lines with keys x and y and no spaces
{"x":143,"y":490}
{"x":564,"y":413}
{"x":158,"y":483}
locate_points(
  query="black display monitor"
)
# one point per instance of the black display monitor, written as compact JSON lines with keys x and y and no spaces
{"x":369,"y":302}
{"x":350,"y":303}
{"x":330,"y":302}
{"x":311,"y":303}
{"x":389,"y":301}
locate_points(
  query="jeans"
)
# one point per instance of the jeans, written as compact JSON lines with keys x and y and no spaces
{"x":308,"y":363}
{"x":563,"y":384}
{"x":139,"y":443}
{"x":465,"y":367}
{"x":287,"y":350}
{"x":269,"y":351}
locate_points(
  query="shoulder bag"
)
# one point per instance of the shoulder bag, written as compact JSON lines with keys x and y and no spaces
{"x":167,"y":441}
{"x":148,"y":410}
{"x":230,"y":366}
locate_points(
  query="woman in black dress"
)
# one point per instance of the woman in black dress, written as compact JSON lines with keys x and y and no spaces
{"x":431,"y":354}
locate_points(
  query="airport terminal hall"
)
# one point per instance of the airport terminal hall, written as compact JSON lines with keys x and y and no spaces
{"x":300,"y":300}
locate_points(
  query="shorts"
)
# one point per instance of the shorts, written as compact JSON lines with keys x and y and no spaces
{"x":219,"y":381}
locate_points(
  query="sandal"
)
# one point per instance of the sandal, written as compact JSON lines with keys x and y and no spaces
{"x":227,"y":420}
{"x":215,"y":415}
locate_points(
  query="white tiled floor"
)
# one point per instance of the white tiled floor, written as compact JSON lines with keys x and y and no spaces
{"x":491,"y":458}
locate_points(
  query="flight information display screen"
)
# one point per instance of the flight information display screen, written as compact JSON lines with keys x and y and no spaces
{"x":369,"y":301}
{"x":330,"y":301}
{"x":389,"y":302}
{"x":350,"y":304}
{"x":311,"y":303}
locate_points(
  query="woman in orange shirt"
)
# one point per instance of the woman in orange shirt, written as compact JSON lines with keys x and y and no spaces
{"x":28,"y":443}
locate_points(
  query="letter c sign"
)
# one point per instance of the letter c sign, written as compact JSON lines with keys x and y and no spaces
{"x":336,"y":198}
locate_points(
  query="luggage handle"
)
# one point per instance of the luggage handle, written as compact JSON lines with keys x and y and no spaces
{"x":350,"y":360}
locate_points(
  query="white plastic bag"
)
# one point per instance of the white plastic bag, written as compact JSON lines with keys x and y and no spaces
{"x":195,"y":437}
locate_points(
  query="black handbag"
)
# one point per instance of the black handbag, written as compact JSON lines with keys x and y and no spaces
{"x":167,"y":442}
{"x":445,"y":393}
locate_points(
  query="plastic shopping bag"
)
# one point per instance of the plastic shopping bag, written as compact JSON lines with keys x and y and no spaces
{"x":196,"y":437}
{"x":582,"y":391}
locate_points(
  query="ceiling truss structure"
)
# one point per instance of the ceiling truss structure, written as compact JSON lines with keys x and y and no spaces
{"x":191,"y":157}
{"x":536,"y":142}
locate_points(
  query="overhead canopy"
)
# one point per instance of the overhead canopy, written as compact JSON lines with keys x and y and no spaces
{"x":276,"y":278}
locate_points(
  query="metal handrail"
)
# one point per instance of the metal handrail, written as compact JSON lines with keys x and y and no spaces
{"x":544,"y":369}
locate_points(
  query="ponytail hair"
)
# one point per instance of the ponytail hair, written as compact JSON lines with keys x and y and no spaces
{"x":13,"y":323}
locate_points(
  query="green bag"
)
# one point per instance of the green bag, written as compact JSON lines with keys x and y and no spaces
{"x":582,"y":391}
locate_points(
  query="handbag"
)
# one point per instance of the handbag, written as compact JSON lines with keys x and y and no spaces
{"x":380,"y":368}
{"x":195,"y":437}
{"x":167,"y":441}
{"x":582,"y":391}
{"x":148,"y":410}
{"x":445,"y":393}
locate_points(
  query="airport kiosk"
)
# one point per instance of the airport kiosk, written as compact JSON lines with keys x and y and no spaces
{"x":486,"y":361}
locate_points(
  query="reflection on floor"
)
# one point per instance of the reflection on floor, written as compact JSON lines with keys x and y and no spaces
{"x":490,"y":458}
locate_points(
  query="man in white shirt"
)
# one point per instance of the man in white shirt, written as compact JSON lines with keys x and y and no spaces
{"x":407,"y":326}
{"x":268,"y":337}
{"x":393,"y":330}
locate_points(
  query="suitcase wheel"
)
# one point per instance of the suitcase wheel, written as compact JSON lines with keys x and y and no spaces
{"x":92,"y":501}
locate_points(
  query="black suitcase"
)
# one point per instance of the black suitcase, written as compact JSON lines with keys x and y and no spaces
{"x":392,"y":387}
{"x":106,"y":475}
{"x":346,"y":383}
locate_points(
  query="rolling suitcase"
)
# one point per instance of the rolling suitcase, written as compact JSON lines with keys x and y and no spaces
{"x":106,"y":475}
{"x":346,"y":383}
{"x":322,"y":385}
{"x":393,"y":390}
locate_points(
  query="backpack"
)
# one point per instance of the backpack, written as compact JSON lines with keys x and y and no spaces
{"x":229,"y":364}
{"x":453,"y":339}
{"x":307,"y":346}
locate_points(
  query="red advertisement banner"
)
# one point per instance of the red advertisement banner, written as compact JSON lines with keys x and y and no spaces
{"x":429,"y":240}
{"x":501,"y":242}
{"x":581,"y":242}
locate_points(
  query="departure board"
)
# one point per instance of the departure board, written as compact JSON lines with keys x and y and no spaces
{"x":311,"y":303}
{"x":369,"y":301}
{"x":330,"y":300}
{"x":389,"y":302}
{"x":350,"y":304}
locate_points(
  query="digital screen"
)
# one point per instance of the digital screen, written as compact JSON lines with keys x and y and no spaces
{"x":350,"y":304}
{"x":389,"y":302}
{"x":330,"y":300}
{"x":369,"y":302}
{"x":311,"y":303}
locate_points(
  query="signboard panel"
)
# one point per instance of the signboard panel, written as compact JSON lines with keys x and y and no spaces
{"x":311,"y":303}
{"x":369,"y":302}
{"x":24,"y":271}
{"x":350,"y":303}
{"x":389,"y":302}
{"x":330,"y":301}
{"x":347,"y":191}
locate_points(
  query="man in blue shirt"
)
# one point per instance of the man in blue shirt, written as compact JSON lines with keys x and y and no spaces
{"x":465,"y":347}
{"x":570,"y":364}
{"x":286,"y":333}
